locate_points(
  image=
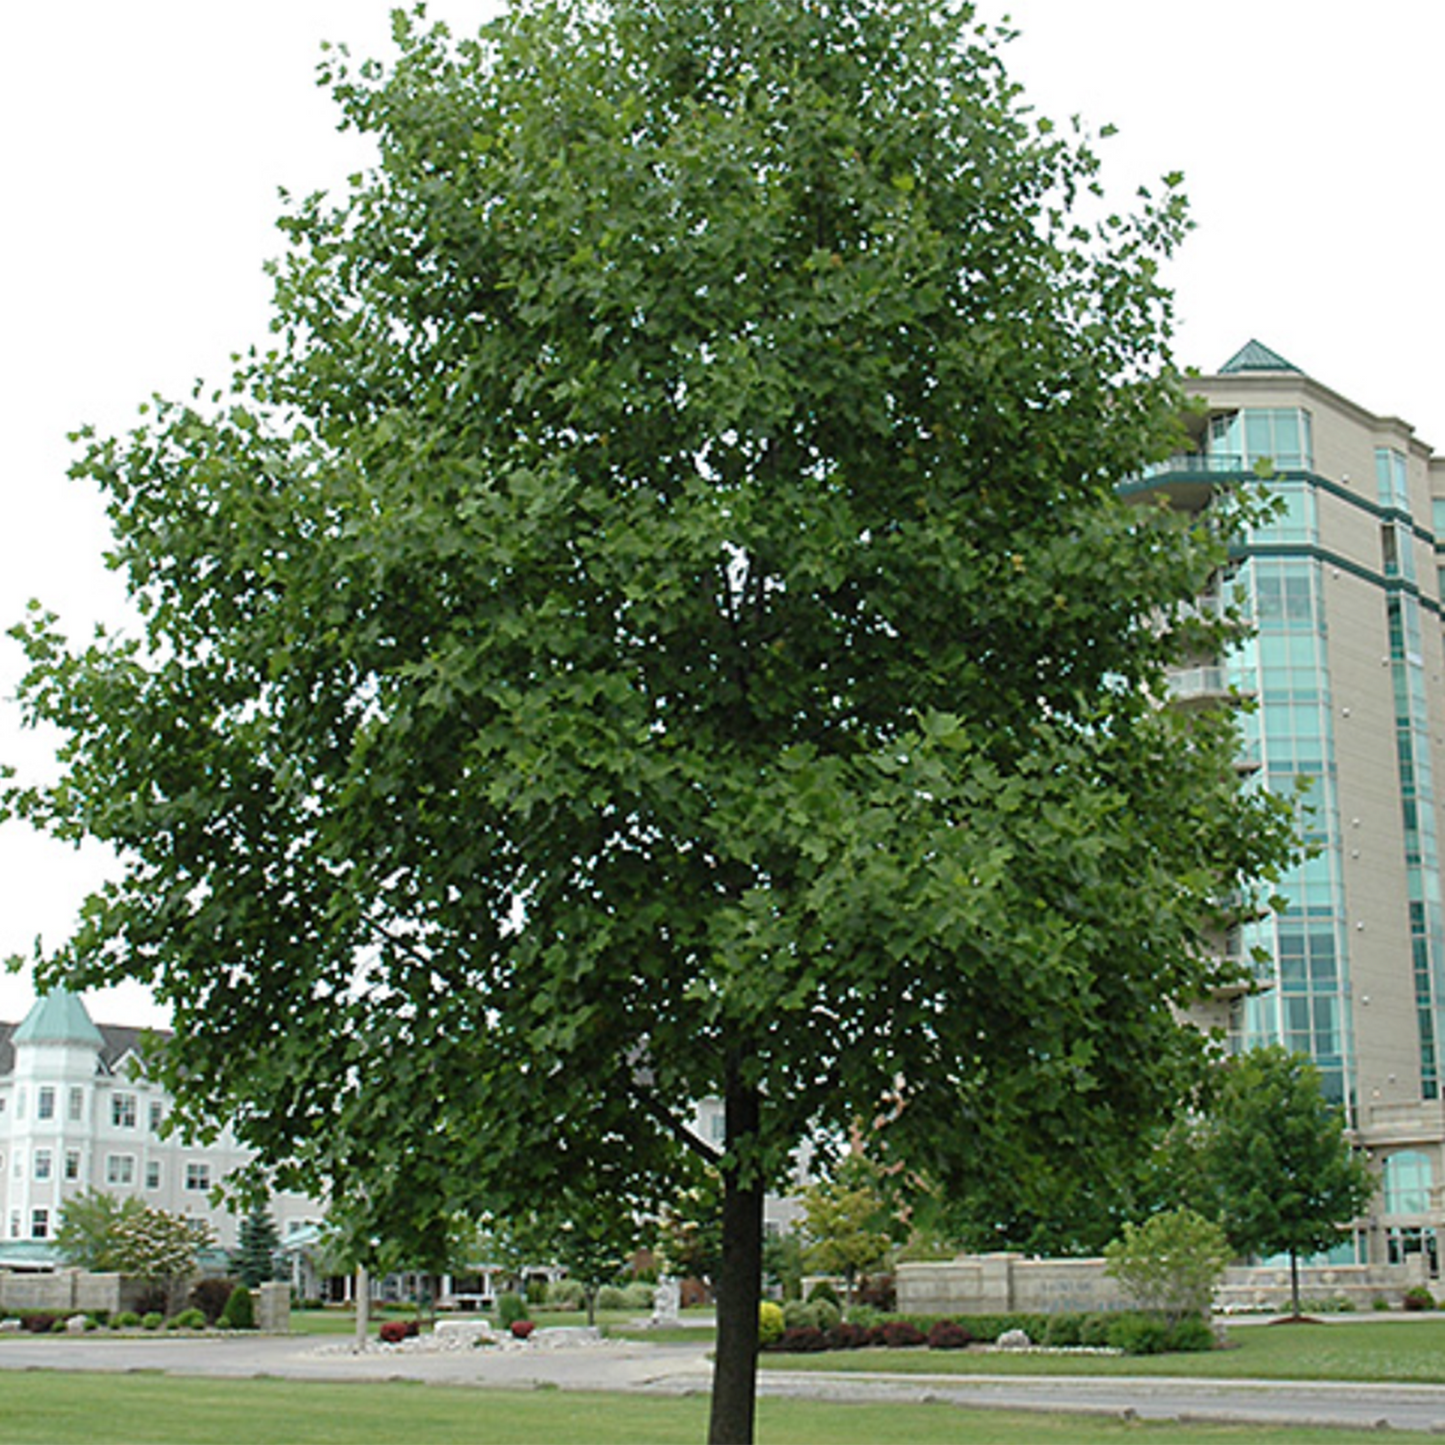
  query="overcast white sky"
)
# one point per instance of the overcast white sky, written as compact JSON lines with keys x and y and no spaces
{"x":143,"y":144}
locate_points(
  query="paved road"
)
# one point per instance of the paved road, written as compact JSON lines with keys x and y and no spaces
{"x":676,"y":1369}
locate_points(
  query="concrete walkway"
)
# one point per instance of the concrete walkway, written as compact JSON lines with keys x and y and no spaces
{"x":634,"y":1366}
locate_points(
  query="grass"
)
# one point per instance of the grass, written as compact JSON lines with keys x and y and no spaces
{"x":618,"y":1324}
{"x":1357,"y":1350}
{"x":47,"y":1408}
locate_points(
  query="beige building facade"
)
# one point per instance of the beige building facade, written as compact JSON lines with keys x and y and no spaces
{"x":1347,"y":674}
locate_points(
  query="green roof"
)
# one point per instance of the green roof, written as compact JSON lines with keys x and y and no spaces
{"x":1255,"y":356}
{"x":58,"y":1018}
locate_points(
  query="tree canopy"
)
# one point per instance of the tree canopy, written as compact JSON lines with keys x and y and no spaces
{"x":661,"y":623}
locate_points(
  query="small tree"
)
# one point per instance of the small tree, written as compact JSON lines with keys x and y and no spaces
{"x":1171,"y":1264}
{"x":88,"y":1224}
{"x":260,"y":1241}
{"x":1275,"y":1154}
{"x":846,"y":1222}
{"x":159,"y":1248}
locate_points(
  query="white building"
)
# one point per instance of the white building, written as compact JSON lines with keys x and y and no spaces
{"x":77,"y":1111}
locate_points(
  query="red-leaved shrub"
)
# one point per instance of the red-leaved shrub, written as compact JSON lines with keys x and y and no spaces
{"x":522,"y":1328}
{"x":900,"y":1334}
{"x":393,"y":1332}
{"x":948,"y":1335}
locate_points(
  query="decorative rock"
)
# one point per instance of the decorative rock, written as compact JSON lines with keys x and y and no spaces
{"x":1014,"y":1340}
{"x":77,"y":1325}
{"x":10,"y":1327}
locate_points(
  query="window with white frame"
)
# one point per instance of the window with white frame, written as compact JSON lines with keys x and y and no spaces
{"x":42,"y":1164}
{"x":77,"y":1105}
{"x":157,"y":1114}
{"x":40,"y":1224}
{"x":198,"y":1176}
{"x":153,"y":1174}
{"x":122,"y":1111}
{"x":72,"y":1163}
{"x":120,"y":1168}
{"x":45,"y":1102}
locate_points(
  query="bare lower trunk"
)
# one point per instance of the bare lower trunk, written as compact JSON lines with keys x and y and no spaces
{"x":1294,"y":1283}
{"x":739,"y":1281}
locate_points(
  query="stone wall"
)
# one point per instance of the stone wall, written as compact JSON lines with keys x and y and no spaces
{"x":993,"y":1284}
{"x":273,"y":1308}
{"x":68,"y":1290}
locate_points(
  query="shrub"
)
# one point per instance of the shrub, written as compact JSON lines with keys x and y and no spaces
{"x":1172,"y":1263}
{"x":566,"y":1294}
{"x":1379,"y":1303}
{"x":878,"y":1290}
{"x":511,"y":1307}
{"x":211,"y":1296}
{"x":639,"y":1295}
{"x":949,"y":1335}
{"x":803,"y":1340}
{"x":1139,"y":1334}
{"x":846,"y":1336}
{"x":901,"y":1334}
{"x":152,"y":1320}
{"x":1417,"y":1297}
{"x":190,"y":1319}
{"x":41,"y":1322}
{"x":393,"y":1332}
{"x":770,"y":1324}
{"x":1094,"y":1331}
{"x":865,"y":1315}
{"x":58,"y":1327}
{"x":153,"y":1300}
{"x":821,"y":1289}
{"x":522,"y":1328}
{"x":240,"y":1311}
{"x":1063,"y":1332}
{"x":611,"y":1297}
{"x":1190,"y":1335}
{"x":99,"y":1318}
{"x":126,"y":1320}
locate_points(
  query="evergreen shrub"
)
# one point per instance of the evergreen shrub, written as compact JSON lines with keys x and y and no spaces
{"x":770,"y":1324}
{"x":240,"y":1310}
{"x":511,"y":1307}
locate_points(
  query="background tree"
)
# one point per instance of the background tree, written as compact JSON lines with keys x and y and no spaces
{"x":661,"y":623}
{"x":591,"y":1238}
{"x":255,"y":1260}
{"x":1275,"y":1153}
{"x":847,"y":1222}
{"x":86,"y":1235}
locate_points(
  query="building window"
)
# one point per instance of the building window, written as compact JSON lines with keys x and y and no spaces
{"x":45,"y":1102}
{"x":153,"y":1174}
{"x":40,"y":1224}
{"x":122,"y":1111}
{"x":1407,"y":1183}
{"x":157,"y":1114}
{"x":72,"y":1163}
{"x":1391,"y":482}
{"x":42,"y":1164}
{"x":77,"y":1105}
{"x":120,"y":1168}
{"x":198,"y":1176}
{"x":14,"y":1224}
{"x":20,"y":1102}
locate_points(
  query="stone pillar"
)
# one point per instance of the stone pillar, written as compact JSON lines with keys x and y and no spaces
{"x":273,"y":1308}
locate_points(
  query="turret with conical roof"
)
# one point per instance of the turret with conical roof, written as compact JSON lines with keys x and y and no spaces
{"x":59,"y":1018}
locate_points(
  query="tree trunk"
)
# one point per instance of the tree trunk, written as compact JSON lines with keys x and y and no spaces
{"x":1294,"y":1283}
{"x":740,"y":1275}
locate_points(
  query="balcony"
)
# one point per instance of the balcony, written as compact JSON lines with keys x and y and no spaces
{"x":1188,"y":479}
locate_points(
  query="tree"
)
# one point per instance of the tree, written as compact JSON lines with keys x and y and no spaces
{"x":1275,"y":1153}
{"x":160,"y":1248}
{"x":591,"y":1238}
{"x":661,"y":623}
{"x":846,"y":1221}
{"x":1171,"y":1263}
{"x":86,"y":1235}
{"x":260,"y":1242}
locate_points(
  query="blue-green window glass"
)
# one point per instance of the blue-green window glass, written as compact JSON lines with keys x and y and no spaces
{"x":1277,"y":434}
{"x":1391,"y":480}
{"x":1408,"y":1179}
{"x":1295,"y":518}
{"x":1397,"y":550}
{"x":1437,"y":517}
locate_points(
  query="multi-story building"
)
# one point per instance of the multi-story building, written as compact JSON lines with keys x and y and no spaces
{"x":1344,"y":584}
{"x":77,"y":1111}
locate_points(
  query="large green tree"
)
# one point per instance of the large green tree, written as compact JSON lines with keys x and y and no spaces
{"x":86,"y":1235}
{"x":1274,"y":1151}
{"x":660,"y":624}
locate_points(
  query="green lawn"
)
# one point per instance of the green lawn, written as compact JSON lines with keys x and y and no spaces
{"x":1354,"y":1350}
{"x":49,"y":1408}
